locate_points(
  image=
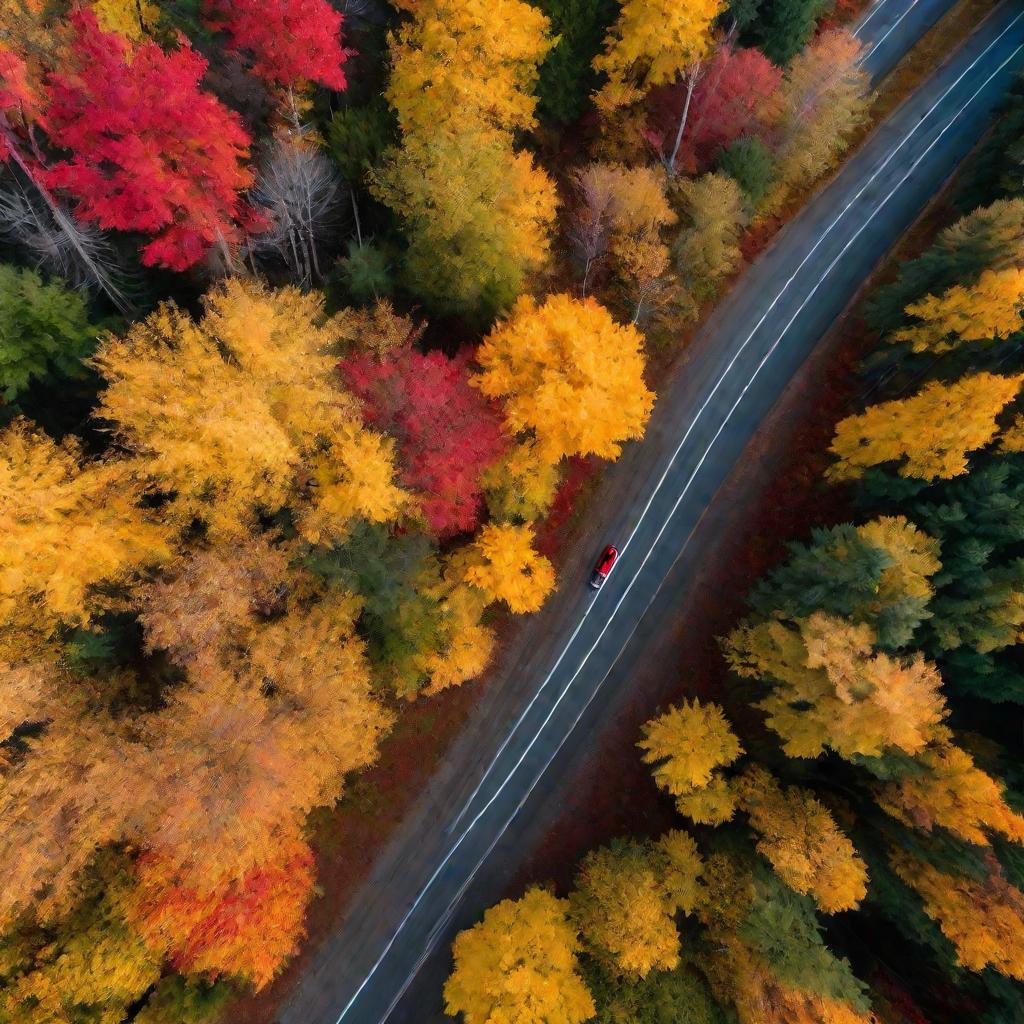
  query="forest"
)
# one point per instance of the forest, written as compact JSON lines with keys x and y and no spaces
{"x":849,"y":837}
{"x":308,"y":309}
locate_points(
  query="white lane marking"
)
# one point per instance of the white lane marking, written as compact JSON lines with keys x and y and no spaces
{"x":522,"y":757}
{"x":452,"y":825}
{"x":445,"y":916}
{"x":878,"y":42}
{"x":868,"y":15}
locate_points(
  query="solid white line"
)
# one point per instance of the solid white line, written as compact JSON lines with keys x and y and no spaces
{"x":878,"y":42}
{"x":868,"y":15}
{"x":657,"y":488}
{"x":445,"y":916}
{"x":490,"y":802}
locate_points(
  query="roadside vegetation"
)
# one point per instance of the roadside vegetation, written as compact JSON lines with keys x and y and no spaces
{"x":849,"y":812}
{"x":309,"y":316}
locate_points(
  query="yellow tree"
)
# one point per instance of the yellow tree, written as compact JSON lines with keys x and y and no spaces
{"x":830,"y":689}
{"x":653,"y":43}
{"x":519,"y":964}
{"x":478,"y":213}
{"x":241,"y":413}
{"x":625,"y":899}
{"x":801,"y":840}
{"x":984,"y":919}
{"x":989,"y":308}
{"x":73,"y":536}
{"x":134,"y":19}
{"x":522,"y":484}
{"x":930,"y":433}
{"x":822,"y":102}
{"x":687,"y":745}
{"x":949,"y":791}
{"x":507,"y":568}
{"x":551,"y":362}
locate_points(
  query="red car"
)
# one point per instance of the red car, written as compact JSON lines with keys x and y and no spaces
{"x":604,"y":566}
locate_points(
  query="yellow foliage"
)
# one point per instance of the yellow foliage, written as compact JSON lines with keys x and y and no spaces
{"x":241,"y":413}
{"x":983,"y":919}
{"x":72,"y":530}
{"x":134,"y":19}
{"x":801,"y":840}
{"x":990,"y":308}
{"x":519,"y":964}
{"x":915,"y":558}
{"x":625,"y":909}
{"x":951,"y":792}
{"x":570,"y":374}
{"x":932,"y":431}
{"x":822,"y":102}
{"x":468,"y":645}
{"x":831,"y":690}
{"x":683,"y":867}
{"x":653,"y":43}
{"x":687,"y":745}
{"x":459,"y":60}
{"x":29,"y":691}
{"x":508,"y":569}
{"x":522,"y":484}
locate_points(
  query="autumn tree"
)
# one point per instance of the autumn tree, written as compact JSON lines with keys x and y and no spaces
{"x":477,"y":212}
{"x":507,"y":568}
{"x":45,"y":330}
{"x":945,"y":789}
{"x":983,"y":918}
{"x":288,"y":41}
{"x":136,"y":163}
{"x":246,"y":927}
{"x":765,"y":951}
{"x":728,"y":101}
{"x":548,"y":361}
{"x":830,"y":689}
{"x":619,"y":220}
{"x":74,"y":534}
{"x":879,"y":573}
{"x":801,"y":840}
{"x":653,"y":44}
{"x":625,"y":899}
{"x":989,"y":238}
{"x":990,"y":308}
{"x":821,"y":103}
{"x":448,"y":433}
{"x":133,"y":19}
{"x":706,"y":250}
{"x":240,"y":412}
{"x":930,"y":433}
{"x":688,"y":745}
{"x":522,"y":484}
{"x":520,"y":961}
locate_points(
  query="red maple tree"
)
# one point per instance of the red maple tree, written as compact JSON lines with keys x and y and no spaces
{"x":246,"y":927}
{"x":19,"y":99}
{"x":150,"y":151}
{"x":727,"y":102}
{"x":448,"y":433}
{"x":289,"y":41}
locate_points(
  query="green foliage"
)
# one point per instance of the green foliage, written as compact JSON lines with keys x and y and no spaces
{"x":749,"y":162}
{"x":841,"y":572}
{"x":358,"y":135}
{"x":783,"y":927}
{"x":566,"y":77}
{"x":365,"y":273}
{"x":679,"y":996}
{"x":44,"y":330}
{"x":781,"y":28}
{"x":992,"y":236}
{"x":176,"y":1000}
{"x":399,"y":621}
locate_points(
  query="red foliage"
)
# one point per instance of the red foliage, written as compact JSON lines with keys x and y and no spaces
{"x":17,"y":96}
{"x":246,"y":927}
{"x":448,"y":433}
{"x":290,"y":41}
{"x":151,"y":151}
{"x":727,"y":103}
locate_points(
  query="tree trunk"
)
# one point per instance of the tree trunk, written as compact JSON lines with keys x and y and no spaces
{"x":691,"y":84}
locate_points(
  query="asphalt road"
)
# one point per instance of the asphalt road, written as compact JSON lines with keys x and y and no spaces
{"x":388,"y":957}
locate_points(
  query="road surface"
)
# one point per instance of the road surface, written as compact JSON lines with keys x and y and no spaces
{"x":387,"y":958}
